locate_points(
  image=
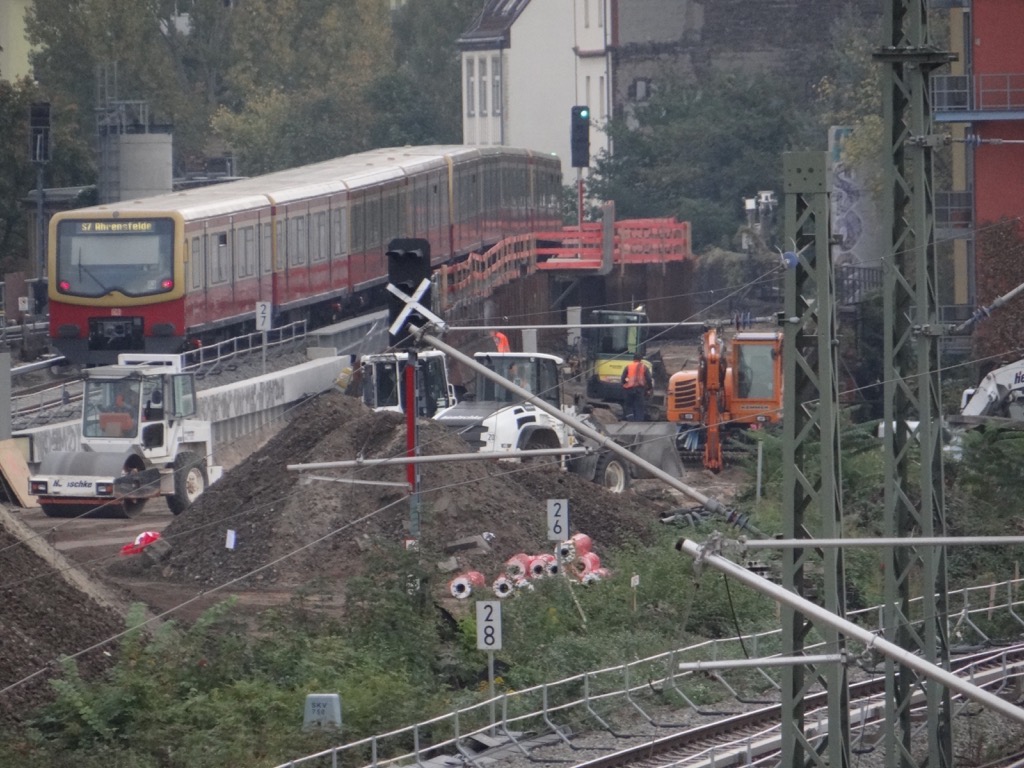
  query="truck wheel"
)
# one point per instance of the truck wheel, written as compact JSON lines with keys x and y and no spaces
{"x":189,"y":482}
{"x":612,"y":473}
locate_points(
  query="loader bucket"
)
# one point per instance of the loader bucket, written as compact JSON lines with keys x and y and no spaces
{"x":652,"y":441}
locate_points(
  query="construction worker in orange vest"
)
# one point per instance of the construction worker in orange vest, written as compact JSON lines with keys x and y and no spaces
{"x":637,"y":386}
{"x":501,"y":341}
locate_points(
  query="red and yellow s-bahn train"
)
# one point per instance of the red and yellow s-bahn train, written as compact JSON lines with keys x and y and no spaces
{"x":162,"y":273}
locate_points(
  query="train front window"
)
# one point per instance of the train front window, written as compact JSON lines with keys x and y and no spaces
{"x":133,"y":256}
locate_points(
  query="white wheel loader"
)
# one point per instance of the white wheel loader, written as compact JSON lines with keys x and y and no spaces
{"x":140,"y":439}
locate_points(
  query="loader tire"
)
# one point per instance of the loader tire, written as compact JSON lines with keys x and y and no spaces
{"x":189,"y":482}
{"x":612,"y":473}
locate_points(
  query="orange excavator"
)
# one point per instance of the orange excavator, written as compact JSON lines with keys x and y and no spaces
{"x":734,"y":387}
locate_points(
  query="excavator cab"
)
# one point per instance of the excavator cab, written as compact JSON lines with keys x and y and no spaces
{"x":610,"y":348}
{"x":755,"y":398}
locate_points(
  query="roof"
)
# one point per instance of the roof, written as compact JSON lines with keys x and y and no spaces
{"x":493,"y":26}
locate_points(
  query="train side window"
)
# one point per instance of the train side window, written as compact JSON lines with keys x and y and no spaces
{"x":389,"y":217}
{"x":248,"y":265}
{"x":223,"y":254}
{"x":358,"y":230}
{"x":282,"y":244}
{"x":373,"y":233}
{"x":297,"y":241}
{"x":266,"y":251}
{"x":319,"y":240}
{"x":403,"y":209}
{"x":340,"y":244}
{"x":195,"y":263}
{"x":436,"y":203}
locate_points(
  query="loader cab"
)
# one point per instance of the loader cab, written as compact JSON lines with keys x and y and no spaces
{"x":133,"y":404}
{"x":383,"y":377}
{"x":536,"y":373}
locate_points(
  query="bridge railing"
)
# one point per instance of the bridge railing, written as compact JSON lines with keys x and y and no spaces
{"x":635,"y":241}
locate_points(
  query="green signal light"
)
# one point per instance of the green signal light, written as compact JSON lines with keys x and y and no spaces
{"x":585,"y":113}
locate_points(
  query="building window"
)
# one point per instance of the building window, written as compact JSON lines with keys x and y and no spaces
{"x":586,"y":14}
{"x":495,"y":86}
{"x":600,"y":13}
{"x":470,"y":84}
{"x":483,"y":86}
{"x":639,"y":89}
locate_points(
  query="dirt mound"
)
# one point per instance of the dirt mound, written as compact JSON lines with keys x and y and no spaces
{"x":41,"y":618}
{"x":290,"y":530}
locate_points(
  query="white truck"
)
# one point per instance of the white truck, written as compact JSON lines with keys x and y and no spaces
{"x":495,"y":420}
{"x":140,"y":439}
{"x":1000,"y":393}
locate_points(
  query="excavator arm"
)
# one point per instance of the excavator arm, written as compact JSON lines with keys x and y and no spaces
{"x":713,"y":373}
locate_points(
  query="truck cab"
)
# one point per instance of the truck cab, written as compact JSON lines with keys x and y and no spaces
{"x":493,"y":418}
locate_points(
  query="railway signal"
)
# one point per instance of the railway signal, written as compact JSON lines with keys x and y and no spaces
{"x":580,"y":137}
{"x":39,"y":131}
{"x":409,"y":288}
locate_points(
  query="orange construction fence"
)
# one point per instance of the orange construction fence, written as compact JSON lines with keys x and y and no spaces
{"x":635,"y":241}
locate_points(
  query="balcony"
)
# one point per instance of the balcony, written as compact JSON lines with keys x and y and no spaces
{"x":975,"y":98}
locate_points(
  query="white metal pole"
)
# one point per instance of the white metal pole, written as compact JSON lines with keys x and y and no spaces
{"x":703,"y":555}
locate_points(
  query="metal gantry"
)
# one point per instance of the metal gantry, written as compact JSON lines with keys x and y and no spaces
{"x":914,"y":500}
{"x":811,"y":481}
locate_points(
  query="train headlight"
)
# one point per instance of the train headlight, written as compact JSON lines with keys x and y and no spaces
{"x":104,"y":489}
{"x":38,"y":487}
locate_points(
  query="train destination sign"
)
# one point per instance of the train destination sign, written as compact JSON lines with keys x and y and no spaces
{"x":133,"y":227}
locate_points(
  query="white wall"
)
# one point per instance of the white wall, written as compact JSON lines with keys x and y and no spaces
{"x":14,"y":56}
{"x":556,"y":59}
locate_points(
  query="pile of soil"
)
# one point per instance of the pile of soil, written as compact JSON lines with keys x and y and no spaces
{"x":291,"y":528}
{"x":292,"y":531}
{"x":41,"y":617}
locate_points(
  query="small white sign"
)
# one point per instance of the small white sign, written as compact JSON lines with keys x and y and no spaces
{"x":558,"y":519}
{"x":264,"y":314}
{"x":488,"y":625}
{"x":634,"y":582}
{"x":323,"y":710}
{"x":229,"y":540}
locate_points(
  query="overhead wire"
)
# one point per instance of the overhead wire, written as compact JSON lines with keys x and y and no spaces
{"x":284,"y":557}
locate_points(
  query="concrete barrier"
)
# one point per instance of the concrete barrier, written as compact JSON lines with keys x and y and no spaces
{"x":234,"y":410}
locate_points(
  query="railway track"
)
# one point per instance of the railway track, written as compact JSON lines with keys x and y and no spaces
{"x":48,"y":396}
{"x":755,"y":736}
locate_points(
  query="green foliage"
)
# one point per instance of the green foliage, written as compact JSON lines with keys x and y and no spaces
{"x":696,"y":151}
{"x":419,"y":101}
{"x":17,"y":175}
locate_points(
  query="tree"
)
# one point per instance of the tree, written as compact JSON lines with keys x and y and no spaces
{"x":419,"y":100}
{"x":695,"y":150}
{"x":301,"y":71}
{"x":133,"y":50}
{"x":17,"y":176}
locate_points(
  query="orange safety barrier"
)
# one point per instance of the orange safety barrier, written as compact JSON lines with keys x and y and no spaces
{"x":635,"y":241}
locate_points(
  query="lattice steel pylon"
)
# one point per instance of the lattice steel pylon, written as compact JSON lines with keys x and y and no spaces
{"x":812,"y":489}
{"x":914,"y":499}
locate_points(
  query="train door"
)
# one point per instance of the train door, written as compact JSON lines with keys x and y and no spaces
{"x":265,"y":259}
{"x":195,"y":277}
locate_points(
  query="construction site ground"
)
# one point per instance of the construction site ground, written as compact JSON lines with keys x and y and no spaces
{"x":66,"y":587}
